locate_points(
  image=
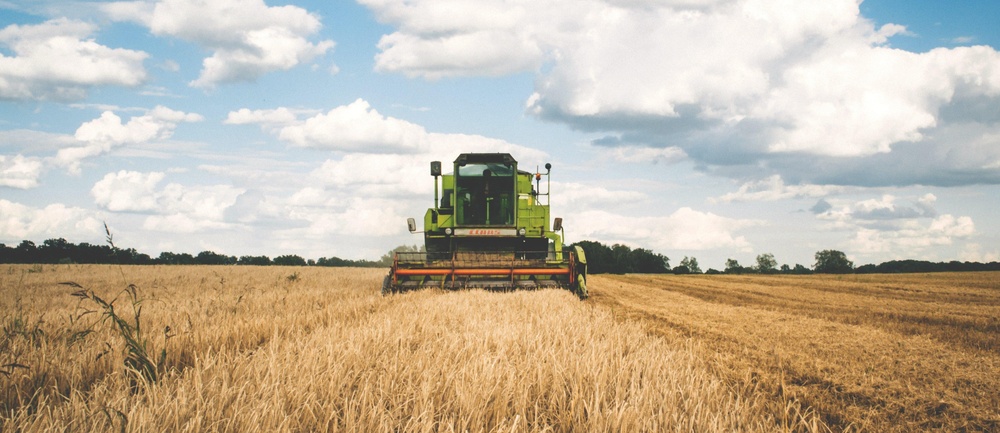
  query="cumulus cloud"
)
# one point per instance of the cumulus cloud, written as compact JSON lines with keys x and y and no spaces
{"x":19,"y":171}
{"x":107,"y":132}
{"x":809,"y":90}
{"x":244,"y":116}
{"x":21,"y":222}
{"x":685,"y":229}
{"x":248,"y":38}
{"x":884,"y":228}
{"x":643,"y":154}
{"x":359,"y":128}
{"x":127,"y":191}
{"x":576,"y":197}
{"x":912,"y":237}
{"x":886,"y":208}
{"x":365,"y":216}
{"x":973,"y":252}
{"x":58,"y":60}
{"x":446,"y":38}
{"x":773,"y":188}
{"x":173,"y":208}
{"x":380,"y":155}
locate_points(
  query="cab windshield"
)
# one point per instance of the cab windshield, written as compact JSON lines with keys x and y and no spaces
{"x":485,"y":194}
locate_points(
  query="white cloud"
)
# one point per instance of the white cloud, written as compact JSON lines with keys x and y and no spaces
{"x":19,"y":222}
{"x":447,"y":38}
{"x":30,"y":141}
{"x":685,"y":229}
{"x":247,"y":38}
{"x":973,"y":252}
{"x":127,"y":191}
{"x":58,"y":60}
{"x":19,"y":171}
{"x":884,"y":228}
{"x":181,"y":223}
{"x":359,"y":216}
{"x":912,"y":238}
{"x":101,"y":135}
{"x":773,"y":188}
{"x":576,"y":197}
{"x":375,"y":175}
{"x":244,"y":116}
{"x":780,"y":85}
{"x":175,"y":208}
{"x":480,"y":53}
{"x":648,"y":155}
{"x":357,"y":127}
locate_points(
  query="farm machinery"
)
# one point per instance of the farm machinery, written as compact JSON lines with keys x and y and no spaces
{"x":489,"y":229}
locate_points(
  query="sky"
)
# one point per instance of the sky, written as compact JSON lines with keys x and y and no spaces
{"x":712,"y":129}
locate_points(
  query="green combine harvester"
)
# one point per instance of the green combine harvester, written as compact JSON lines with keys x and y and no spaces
{"x":489,"y":229}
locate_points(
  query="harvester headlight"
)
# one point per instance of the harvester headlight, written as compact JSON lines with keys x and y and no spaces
{"x":448,"y":231}
{"x":521,"y":231}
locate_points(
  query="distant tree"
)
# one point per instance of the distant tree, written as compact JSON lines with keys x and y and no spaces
{"x":785,"y":269}
{"x":766,"y":263}
{"x":289,"y":260}
{"x":169,"y":258}
{"x":6,"y":254}
{"x":387,"y":258}
{"x":712,"y":271}
{"x":692,"y":264}
{"x":130,"y":256}
{"x":801,"y":270}
{"x":733,"y":267}
{"x":212,"y":258}
{"x":55,"y":251}
{"x":832,"y":262}
{"x":599,"y":257}
{"x":645,"y":261}
{"x":681,"y":270}
{"x":621,"y":259}
{"x":621,"y":262}
{"x":254,"y":260}
{"x":866,"y":269}
{"x":27,"y":252}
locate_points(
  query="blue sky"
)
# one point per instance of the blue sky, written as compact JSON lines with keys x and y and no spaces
{"x":708,"y":128}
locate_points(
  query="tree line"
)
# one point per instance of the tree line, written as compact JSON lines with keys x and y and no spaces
{"x":601,"y":259}
{"x":59,"y":251}
{"x":620,"y":259}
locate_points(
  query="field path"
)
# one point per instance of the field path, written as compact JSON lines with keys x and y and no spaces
{"x":865,"y":353}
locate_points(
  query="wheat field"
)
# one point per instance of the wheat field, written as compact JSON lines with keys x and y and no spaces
{"x":319,"y":349}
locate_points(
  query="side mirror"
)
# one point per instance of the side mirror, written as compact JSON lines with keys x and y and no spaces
{"x":411,"y":224}
{"x":557,"y":224}
{"x":435,"y":168}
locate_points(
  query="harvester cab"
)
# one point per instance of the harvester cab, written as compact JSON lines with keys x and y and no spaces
{"x":489,"y":228}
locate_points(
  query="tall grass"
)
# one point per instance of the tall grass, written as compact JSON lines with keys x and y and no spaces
{"x":254,"y":350}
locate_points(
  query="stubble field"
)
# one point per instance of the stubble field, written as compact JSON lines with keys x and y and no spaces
{"x":319,"y":349}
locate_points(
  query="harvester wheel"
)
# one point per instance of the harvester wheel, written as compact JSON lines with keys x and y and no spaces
{"x":581,"y":289}
{"x":387,"y":285}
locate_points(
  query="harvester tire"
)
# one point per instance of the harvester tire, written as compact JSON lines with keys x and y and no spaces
{"x":387,"y":285}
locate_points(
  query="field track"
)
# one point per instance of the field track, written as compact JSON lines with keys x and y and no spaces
{"x":912,"y":352}
{"x":318,"y":349}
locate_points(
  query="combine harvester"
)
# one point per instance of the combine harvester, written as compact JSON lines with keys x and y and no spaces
{"x":489,"y":230}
